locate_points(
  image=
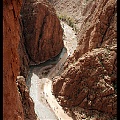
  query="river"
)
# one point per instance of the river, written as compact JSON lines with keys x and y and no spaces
{"x":39,"y":80}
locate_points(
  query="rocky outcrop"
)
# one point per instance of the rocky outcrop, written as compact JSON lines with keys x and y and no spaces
{"x":27,"y":102}
{"x":90,"y":75}
{"x":12,"y":100}
{"x":34,"y":37}
{"x":23,"y":56}
{"x":41,"y":29}
{"x":89,"y":82}
{"x":77,"y":10}
{"x":12,"y":106}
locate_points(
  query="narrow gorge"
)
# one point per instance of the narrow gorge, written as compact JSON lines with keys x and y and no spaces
{"x":60,"y":60}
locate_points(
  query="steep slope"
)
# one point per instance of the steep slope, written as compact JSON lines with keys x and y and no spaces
{"x":17,"y":56}
{"x":13,"y":98}
{"x":89,"y":78}
{"x":27,"y":102}
{"x":12,"y":106}
{"x":77,"y":10}
{"x":41,"y":29}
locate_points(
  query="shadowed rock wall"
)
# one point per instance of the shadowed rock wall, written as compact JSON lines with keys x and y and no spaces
{"x":29,"y":39}
{"x":12,"y":106}
{"x":42,"y":32}
{"x":13,"y":99}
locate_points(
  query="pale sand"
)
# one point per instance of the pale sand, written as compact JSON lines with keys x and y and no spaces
{"x":53,"y":103}
{"x":46,"y":106}
{"x":70,"y":39}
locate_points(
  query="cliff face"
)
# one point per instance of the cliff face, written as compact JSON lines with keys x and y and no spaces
{"x":27,"y":102}
{"x":13,"y":99}
{"x":89,"y":77}
{"x":77,"y":10}
{"x":41,"y":31}
{"x":34,"y":37}
{"x":12,"y":106}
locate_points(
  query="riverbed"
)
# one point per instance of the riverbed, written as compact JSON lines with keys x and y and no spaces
{"x":39,"y":80}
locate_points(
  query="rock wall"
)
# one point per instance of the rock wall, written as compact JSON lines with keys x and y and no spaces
{"x":12,"y":106}
{"x":90,"y":75}
{"x":13,"y":99}
{"x":77,"y":10}
{"x":30,"y":38}
{"x":42,"y":32}
{"x":27,"y":102}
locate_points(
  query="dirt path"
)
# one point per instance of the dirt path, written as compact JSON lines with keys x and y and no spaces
{"x":39,"y":82}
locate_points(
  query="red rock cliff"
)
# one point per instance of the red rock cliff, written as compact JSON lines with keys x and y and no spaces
{"x":13,"y":99}
{"x":41,"y":29}
{"x":31,"y":38}
{"x":90,"y":74}
{"x":12,"y":106}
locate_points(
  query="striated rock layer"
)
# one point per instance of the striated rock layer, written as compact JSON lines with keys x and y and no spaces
{"x":41,"y":29}
{"x":89,"y":77}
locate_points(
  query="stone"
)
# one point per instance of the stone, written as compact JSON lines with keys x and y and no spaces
{"x":29,"y":38}
{"x":27,"y":102}
{"x":90,"y":85}
{"x":12,"y":105}
{"x":41,"y":30}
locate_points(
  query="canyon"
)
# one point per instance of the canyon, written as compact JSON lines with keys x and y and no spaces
{"x":84,"y":82}
{"x":59,"y":59}
{"x":40,"y":81}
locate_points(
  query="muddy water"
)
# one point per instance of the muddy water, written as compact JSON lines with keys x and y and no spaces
{"x":39,"y":81}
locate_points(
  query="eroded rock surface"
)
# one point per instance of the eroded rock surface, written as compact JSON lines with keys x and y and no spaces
{"x":41,"y":29}
{"x":77,"y":10}
{"x":12,"y":102}
{"x":27,"y":102}
{"x":90,"y":74}
{"x":89,"y":82}
{"x":32,"y":38}
{"x":12,"y":106}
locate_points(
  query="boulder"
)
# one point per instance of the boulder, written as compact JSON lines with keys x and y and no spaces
{"x":41,"y":30}
{"x":90,"y":74}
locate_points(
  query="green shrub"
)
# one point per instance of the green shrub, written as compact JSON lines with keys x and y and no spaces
{"x":68,"y":20}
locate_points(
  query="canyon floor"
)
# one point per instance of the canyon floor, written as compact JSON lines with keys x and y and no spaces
{"x":39,"y":81}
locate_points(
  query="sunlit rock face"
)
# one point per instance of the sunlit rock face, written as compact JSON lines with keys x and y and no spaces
{"x":41,"y":29}
{"x":19,"y":51}
{"x":89,"y":78}
{"x":77,"y":10}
